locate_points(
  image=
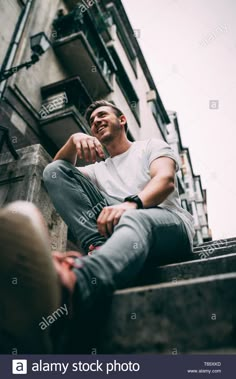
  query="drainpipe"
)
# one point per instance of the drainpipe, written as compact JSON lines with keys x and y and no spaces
{"x":12,"y":49}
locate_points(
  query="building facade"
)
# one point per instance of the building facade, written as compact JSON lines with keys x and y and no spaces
{"x":193,"y":197}
{"x":94,"y":54}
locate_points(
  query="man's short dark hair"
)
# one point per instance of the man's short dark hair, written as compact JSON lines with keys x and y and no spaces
{"x":103,"y":103}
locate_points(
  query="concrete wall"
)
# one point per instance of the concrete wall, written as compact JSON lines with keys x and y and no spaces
{"x":9,"y":12}
{"x":48,"y":69}
{"x":22,"y":180}
{"x":149,"y":127}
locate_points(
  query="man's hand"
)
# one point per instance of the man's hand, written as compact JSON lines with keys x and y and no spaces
{"x":110,"y":216}
{"x":83,"y":146}
{"x":87,"y":147}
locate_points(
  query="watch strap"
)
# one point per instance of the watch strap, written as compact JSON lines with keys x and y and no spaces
{"x":135,"y":199}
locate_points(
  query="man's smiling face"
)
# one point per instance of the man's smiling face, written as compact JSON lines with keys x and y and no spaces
{"x":105,"y":125}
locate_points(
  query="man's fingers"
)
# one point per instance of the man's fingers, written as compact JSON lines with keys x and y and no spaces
{"x":117,"y":218}
{"x":109,"y":228}
{"x":88,"y":148}
{"x":105,"y":222}
{"x":101,"y":215}
{"x":92,"y":150}
{"x":109,"y":222}
{"x":101,"y":223}
{"x":79,"y":150}
{"x":109,"y":219}
{"x":113,"y":219}
{"x":85,"y":149}
{"x":99,"y":148}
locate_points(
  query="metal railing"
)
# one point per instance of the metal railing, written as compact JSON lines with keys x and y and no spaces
{"x":75,"y":22}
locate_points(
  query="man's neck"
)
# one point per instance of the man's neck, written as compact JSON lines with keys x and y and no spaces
{"x":118,"y":147}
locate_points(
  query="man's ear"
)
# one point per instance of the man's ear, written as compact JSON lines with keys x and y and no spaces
{"x":123,"y":120}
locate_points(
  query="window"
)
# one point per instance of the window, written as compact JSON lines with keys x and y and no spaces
{"x":125,"y":39}
{"x":21,"y":2}
{"x":184,"y":205}
{"x":126,"y":86}
{"x":157,"y":117}
{"x":190,"y":208}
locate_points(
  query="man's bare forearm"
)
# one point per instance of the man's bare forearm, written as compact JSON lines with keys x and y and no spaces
{"x":67,"y":152}
{"x":156,"y":191}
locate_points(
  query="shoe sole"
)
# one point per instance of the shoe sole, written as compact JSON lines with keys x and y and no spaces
{"x":29,"y":286}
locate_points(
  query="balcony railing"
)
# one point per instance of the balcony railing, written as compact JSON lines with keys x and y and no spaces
{"x":63,"y":94}
{"x":62,"y":110}
{"x":53,"y":104}
{"x":101,"y":16}
{"x":83,"y":50}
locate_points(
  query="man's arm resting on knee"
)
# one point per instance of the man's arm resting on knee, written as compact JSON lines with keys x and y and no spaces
{"x":162,"y":183}
{"x":80,"y":145}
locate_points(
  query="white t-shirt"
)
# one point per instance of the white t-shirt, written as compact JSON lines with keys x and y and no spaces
{"x":128,"y":173}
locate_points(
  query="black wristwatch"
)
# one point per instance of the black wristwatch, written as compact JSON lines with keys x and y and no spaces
{"x":135,"y":199}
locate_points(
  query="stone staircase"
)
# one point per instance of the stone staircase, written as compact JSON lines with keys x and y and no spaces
{"x":188,"y":307}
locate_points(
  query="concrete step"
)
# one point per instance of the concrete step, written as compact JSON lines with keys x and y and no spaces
{"x":220,"y":241}
{"x":213,"y":251}
{"x":216,"y":244}
{"x":188,"y":270}
{"x":190,"y":315}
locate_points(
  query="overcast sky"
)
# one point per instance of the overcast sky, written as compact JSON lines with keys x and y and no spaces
{"x":190,"y":48}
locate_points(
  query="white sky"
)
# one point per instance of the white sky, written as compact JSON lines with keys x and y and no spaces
{"x":190,"y":48}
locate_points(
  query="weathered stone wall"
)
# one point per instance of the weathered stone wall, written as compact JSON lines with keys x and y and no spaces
{"x":22,"y":180}
{"x":9,"y":12}
{"x":22,"y":95}
{"x":48,"y":69}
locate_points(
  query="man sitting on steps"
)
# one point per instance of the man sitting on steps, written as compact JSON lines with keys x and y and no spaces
{"x":136,"y":181}
{"x":124,"y":212}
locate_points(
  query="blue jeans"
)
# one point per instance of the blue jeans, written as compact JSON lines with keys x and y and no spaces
{"x":153,"y":236}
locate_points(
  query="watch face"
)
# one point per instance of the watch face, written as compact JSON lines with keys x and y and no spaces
{"x":133,"y":198}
